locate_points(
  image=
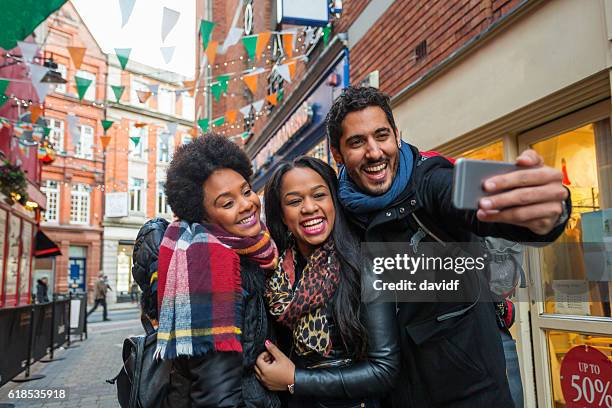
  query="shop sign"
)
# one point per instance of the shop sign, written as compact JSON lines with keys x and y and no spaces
{"x":586,"y":377}
{"x":298,"y":121}
{"x":300,"y":12}
{"x":116,"y":205}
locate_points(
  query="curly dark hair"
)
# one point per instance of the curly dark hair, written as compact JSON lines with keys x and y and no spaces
{"x":355,"y":98}
{"x":192,"y":164}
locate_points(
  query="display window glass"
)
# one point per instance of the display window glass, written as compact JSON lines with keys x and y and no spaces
{"x":26,"y":260}
{"x":12,"y":261}
{"x":3,"y":220}
{"x":493,"y":151}
{"x":576,"y":270}
{"x":124,"y":266}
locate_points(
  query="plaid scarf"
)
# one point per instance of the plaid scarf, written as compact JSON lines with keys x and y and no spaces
{"x":199,"y":289}
{"x":304,"y":309}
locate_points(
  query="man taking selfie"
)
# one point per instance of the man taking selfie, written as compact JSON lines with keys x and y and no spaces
{"x":458,"y":360}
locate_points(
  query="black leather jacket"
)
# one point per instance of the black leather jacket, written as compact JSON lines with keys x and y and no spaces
{"x":372,"y":377}
{"x":227,"y":379}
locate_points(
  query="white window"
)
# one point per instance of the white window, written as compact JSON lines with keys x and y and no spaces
{"x":188,"y":107}
{"x":165,"y":143}
{"x":56,"y":136}
{"x":138,"y":142}
{"x":136,"y":191}
{"x":137,"y":85}
{"x":51,"y":189}
{"x":90,"y":95}
{"x":162,"y":200}
{"x":61,"y":88}
{"x":166,"y":101}
{"x":84,"y":148}
{"x":79,"y":204}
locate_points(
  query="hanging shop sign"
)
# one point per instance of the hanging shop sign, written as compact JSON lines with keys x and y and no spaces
{"x":586,"y":375}
{"x":306,"y":13}
{"x":298,"y":121}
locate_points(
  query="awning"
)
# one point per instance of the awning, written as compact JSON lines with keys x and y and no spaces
{"x":45,"y":247}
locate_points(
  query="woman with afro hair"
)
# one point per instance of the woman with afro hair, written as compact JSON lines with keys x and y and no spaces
{"x":212,"y":317}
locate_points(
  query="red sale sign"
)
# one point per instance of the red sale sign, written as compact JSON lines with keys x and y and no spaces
{"x":586,"y":375}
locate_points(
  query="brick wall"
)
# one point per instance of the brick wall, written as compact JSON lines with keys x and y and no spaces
{"x":389,"y":45}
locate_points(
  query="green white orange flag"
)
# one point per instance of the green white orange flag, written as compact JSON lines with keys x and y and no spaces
{"x":82,"y":84}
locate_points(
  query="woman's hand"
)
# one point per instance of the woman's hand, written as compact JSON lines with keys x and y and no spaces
{"x":274,"y":369}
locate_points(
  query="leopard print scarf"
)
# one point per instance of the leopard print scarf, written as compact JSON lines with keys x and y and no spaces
{"x":304,"y":309}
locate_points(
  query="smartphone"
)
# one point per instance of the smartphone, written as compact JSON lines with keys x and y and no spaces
{"x":468,"y":179}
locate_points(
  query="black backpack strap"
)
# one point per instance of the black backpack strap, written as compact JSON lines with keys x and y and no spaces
{"x":146,"y":324}
{"x":134,"y":399}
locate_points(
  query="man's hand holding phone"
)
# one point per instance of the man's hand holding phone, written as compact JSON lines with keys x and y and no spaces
{"x":531,"y":196}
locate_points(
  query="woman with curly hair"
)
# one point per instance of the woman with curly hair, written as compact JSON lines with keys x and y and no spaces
{"x":212,"y":316}
{"x":344,"y":353}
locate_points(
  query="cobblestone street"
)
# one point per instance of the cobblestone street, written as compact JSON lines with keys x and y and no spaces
{"x":85,"y":368}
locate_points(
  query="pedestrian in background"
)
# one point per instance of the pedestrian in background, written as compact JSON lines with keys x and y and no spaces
{"x":134,"y":292}
{"x":100,"y":289}
{"x":42,"y":290}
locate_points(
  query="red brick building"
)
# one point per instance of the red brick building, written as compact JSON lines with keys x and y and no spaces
{"x":73,"y":182}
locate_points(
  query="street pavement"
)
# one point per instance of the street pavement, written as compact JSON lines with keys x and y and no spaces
{"x":85,"y":369}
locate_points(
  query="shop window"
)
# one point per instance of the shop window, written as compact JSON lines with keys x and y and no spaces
{"x":79,"y":204}
{"x":136,"y":191}
{"x":124,"y":266}
{"x":12,"y":259}
{"x":56,"y":136}
{"x":3,"y":238}
{"x":90,"y":94}
{"x":494,"y":151}
{"x":165,"y":142}
{"x":319,"y":151}
{"x":577,"y":268}
{"x":559,"y":344}
{"x":84,"y":148}
{"x":26,"y":263}
{"x":51,"y":189}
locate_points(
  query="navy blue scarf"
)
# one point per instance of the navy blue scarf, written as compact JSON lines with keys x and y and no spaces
{"x":361,"y":204}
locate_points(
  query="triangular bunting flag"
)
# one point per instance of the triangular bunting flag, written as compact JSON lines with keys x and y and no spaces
{"x":4,"y":83}
{"x":219,"y":121}
{"x":289,"y":43}
{"x":281,"y":95}
{"x":309,"y":35}
{"x":258,"y":105}
{"x":190,"y":85}
{"x":231,"y":116}
{"x":272,"y":98}
{"x":104,"y":141}
{"x":326,"y":35}
{"x":206,"y":28}
{"x":106,"y":124}
{"x":143,"y":96}
{"x":171,"y":126}
{"x":3,"y":99}
{"x":223,"y":80}
{"x":135,"y":140}
{"x":232,"y":38}
{"x":250,"y":45}
{"x":167,"y":53}
{"x":169,"y":19}
{"x":118,"y":91}
{"x":245,"y":110}
{"x":211,"y":51}
{"x":140,"y":125}
{"x":77,"y":54}
{"x":28,"y":50}
{"x":123,"y":55}
{"x":216,"y":89}
{"x":82,"y":85}
{"x":127,"y":6}
{"x":283,"y":71}
{"x":292,"y":65}
{"x":193,"y":132}
{"x":37,"y":73}
{"x":35,"y":113}
{"x":203,"y":124}
{"x":251,"y":82}
{"x":154,"y":88}
{"x":245,"y":135}
{"x":262,"y":42}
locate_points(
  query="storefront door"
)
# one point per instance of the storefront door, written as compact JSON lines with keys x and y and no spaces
{"x":571,"y":280}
